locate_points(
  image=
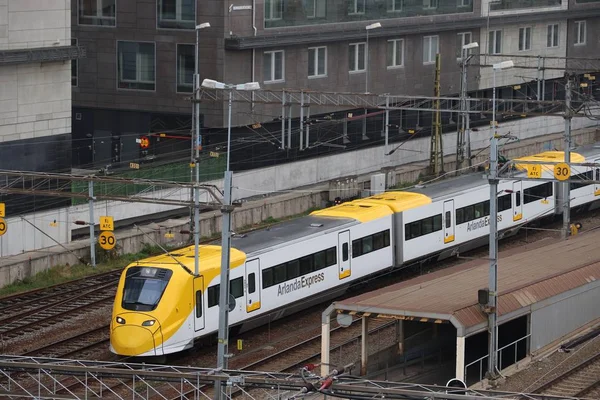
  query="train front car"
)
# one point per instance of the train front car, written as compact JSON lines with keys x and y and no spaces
{"x":152,"y":310}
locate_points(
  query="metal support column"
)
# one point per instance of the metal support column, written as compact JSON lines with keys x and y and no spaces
{"x":289,"y":126}
{"x":307,"y":127}
{"x":364,"y":346}
{"x":301,"y":120}
{"x":325,"y":340}
{"x":223,"y":334}
{"x":538,"y":78}
{"x":92,"y":225}
{"x":493,"y":274}
{"x":387,"y":125}
{"x":567,"y":144}
{"x":460,"y":132}
{"x":283,"y":106}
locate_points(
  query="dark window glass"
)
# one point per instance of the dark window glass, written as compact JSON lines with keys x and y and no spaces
{"x":378,"y":241}
{"x":176,"y":14}
{"x":356,"y":248}
{"x":144,"y":288}
{"x":198,"y":303}
{"x":306,"y":265}
{"x":469,"y":213}
{"x":185,"y":67}
{"x":386,"y":238}
{"x":97,"y":12}
{"x":518,"y":198}
{"x":267,"y":276}
{"x":252,"y":283}
{"x":236,"y":287}
{"x":213,"y":295}
{"x":331,"y":256}
{"x":293,"y":269}
{"x":448,"y":219}
{"x":320,"y":260}
{"x":437,"y":223}
{"x":460,"y":216}
{"x":478,"y":210}
{"x":426,"y":226}
{"x":345,"y":252}
{"x":280,"y":273}
{"x":136,"y":65}
{"x":504,"y":202}
{"x":367,"y":244}
{"x":486,"y":208}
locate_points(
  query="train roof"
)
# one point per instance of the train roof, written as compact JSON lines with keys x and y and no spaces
{"x":550,"y":156}
{"x":398,"y":201}
{"x":447,"y":187}
{"x":359,"y":210}
{"x":591,"y":152}
{"x":288,"y":231}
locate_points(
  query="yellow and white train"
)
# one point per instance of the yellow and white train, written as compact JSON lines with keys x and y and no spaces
{"x":162,"y":308}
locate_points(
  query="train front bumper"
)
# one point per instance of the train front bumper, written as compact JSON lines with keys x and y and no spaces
{"x":131,"y":340}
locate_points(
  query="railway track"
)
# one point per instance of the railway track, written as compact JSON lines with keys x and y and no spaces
{"x":579,"y":381}
{"x":80,"y":346}
{"x":28,"y":322}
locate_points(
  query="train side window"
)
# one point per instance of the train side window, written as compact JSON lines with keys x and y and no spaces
{"x":518,"y":198}
{"x":486,"y":208}
{"x":198,"y":303}
{"x":236,"y":287}
{"x":293,"y":269}
{"x":367,"y":244}
{"x":478,"y":210}
{"x":356,"y":248}
{"x":320,"y":260}
{"x":267,"y":276}
{"x":460,"y":216}
{"x":331,"y":256}
{"x":469,"y":214}
{"x":378,"y":241}
{"x":252,"y":283}
{"x":448,"y":219}
{"x":306,"y":265}
{"x":597,"y":174}
{"x":426,"y":226}
{"x":437,"y":222}
{"x":279,"y":274}
{"x":386,"y":238}
{"x":345,"y":252}
{"x":213,"y":295}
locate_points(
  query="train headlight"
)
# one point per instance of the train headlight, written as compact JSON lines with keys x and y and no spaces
{"x":150,"y":322}
{"x":120,"y":320}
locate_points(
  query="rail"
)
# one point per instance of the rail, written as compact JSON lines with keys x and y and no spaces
{"x":499,"y":353}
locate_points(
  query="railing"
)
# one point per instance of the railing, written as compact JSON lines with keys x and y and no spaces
{"x":499,"y":354}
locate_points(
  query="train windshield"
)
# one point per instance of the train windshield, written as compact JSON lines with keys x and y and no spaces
{"x":144,"y":286}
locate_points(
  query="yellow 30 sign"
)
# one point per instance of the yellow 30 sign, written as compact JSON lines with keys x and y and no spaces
{"x":107,"y":240}
{"x":562,"y":171}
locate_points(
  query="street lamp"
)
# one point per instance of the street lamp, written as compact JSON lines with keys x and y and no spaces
{"x":493,"y":181}
{"x":223,"y":335}
{"x":196,"y":143}
{"x":375,"y":25}
{"x":465,"y":123}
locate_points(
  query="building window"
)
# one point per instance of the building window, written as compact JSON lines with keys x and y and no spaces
{"x":552,"y":38}
{"x":464,"y":3}
{"x":176,"y":14}
{"x":273,"y":64}
{"x":580,"y":32}
{"x":430,"y":48}
{"x":356,"y":60}
{"x":97,"y":12}
{"x":317,"y":61}
{"x":463,"y":39}
{"x":394,"y":5}
{"x":74,"y":67}
{"x":136,"y":65}
{"x":356,"y":7}
{"x":273,"y":10}
{"x":395,"y":53}
{"x":524,"y":39}
{"x":495,"y":42}
{"x":430,"y":4}
{"x":315,"y":8}
{"x":185,"y":67}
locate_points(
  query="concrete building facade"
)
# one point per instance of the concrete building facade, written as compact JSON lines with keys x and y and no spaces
{"x":138,"y":75}
{"x":35,"y":82}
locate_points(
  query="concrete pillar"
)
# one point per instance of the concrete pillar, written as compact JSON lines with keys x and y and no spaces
{"x":325,"y":339}
{"x":460,"y":358}
{"x":400,"y":336}
{"x":364,"y":346}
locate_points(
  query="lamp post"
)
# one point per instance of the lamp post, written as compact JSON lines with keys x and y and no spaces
{"x":493,"y":274}
{"x":196,"y":143}
{"x":465,"y":146}
{"x":368,"y":28}
{"x":223,"y":335}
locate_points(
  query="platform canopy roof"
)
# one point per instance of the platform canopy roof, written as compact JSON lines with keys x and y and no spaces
{"x":526,"y":276}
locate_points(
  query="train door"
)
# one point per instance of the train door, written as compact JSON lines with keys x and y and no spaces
{"x":517,"y":188}
{"x":252,"y":285}
{"x":199,"y":302}
{"x":344,"y":259}
{"x":596,"y":178}
{"x":449,"y":221}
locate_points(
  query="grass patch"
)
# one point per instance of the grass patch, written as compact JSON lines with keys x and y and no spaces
{"x":106,"y":261}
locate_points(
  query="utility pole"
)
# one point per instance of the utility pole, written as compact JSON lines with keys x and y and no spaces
{"x":567,"y":143}
{"x":92,"y":236}
{"x":437,"y":151}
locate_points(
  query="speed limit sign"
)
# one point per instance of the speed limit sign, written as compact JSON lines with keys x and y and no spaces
{"x":107,"y":240}
{"x":3,"y":227}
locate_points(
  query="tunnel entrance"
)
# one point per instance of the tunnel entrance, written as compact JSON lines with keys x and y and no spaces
{"x":513,"y":345}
